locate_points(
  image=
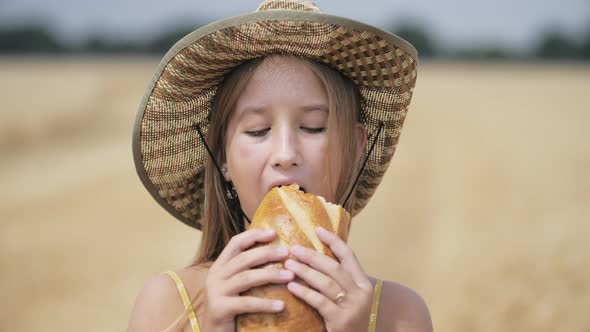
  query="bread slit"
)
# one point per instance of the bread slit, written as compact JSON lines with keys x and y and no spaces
{"x":299,"y":215}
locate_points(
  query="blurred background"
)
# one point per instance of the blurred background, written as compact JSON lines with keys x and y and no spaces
{"x":484,"y":211}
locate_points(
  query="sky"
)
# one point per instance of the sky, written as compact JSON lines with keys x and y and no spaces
{"x":462,"y":23}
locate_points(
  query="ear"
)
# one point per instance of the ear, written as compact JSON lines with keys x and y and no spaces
{"x":224,"y":169}
{"x":361,"y":137}
{"x":225,"y":172}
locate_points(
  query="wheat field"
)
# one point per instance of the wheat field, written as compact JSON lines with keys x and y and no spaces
{"x":485,"y":209}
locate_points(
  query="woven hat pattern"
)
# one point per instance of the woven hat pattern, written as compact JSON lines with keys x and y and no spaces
{"x":171,"y":154}
{"x":302,"y":5}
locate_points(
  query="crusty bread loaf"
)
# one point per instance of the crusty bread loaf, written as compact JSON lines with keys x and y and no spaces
{"x":294,"y":215}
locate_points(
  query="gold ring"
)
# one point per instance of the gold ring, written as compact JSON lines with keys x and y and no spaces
{"x":339,"y":297}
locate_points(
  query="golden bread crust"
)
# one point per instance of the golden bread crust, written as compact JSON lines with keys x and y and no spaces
{"x":294,"y":216}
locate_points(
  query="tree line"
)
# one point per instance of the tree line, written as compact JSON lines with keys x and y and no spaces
{"x":38,"y":39}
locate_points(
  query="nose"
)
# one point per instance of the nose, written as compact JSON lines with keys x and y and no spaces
{"x":286,"y":149}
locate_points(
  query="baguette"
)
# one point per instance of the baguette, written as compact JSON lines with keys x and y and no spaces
{"x":294,"y":215}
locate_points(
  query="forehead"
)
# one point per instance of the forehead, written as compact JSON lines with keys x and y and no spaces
{"x":282,"y":82}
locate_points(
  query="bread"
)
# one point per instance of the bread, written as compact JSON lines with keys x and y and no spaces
{"x":294,"y":215}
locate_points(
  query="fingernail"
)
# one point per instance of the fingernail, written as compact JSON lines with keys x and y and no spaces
{"x":293,"y":286}
{"x":277,"y":305}
{"x":269,"y":232}
{"x":297,"y":249}
{"x":321,"y":230}
{"x":282,"y":250}
{"x":290,"y":263}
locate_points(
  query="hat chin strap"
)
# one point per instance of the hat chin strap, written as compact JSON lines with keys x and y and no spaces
{"x":364,"y":164}
{"x":232,"y":195}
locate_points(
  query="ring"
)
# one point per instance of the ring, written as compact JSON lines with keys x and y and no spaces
{"x":339,"y":297}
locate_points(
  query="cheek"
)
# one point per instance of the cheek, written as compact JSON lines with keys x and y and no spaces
{"x":326,"y":167}
{"x":243,"y":158}
{"x":246,"y":162}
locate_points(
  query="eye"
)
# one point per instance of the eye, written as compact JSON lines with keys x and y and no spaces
{"x":257,"y":133}
{"x":314,"y":130}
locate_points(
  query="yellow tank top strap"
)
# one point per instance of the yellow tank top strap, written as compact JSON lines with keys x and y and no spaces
{"x":375,"y":306}
{"x":186,"y":300}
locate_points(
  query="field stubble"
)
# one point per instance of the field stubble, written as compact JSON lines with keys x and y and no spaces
{"x":484,"y":209}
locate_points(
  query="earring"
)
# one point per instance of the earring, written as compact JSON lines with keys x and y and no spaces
{"x":224,"y":169}
{"x":231,"y":192}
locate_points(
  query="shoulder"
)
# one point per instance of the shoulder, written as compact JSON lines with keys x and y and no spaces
{"x":402,"y":309}
{"x":194,"y":277}
{"x":159,"y":304}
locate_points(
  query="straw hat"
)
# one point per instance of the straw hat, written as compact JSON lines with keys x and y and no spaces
{"x":170,"y":157}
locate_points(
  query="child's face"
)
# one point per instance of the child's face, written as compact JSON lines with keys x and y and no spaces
{"x":277,"y":134}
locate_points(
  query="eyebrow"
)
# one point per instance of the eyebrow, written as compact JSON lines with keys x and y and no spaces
{"x":250,"y":110}
{"x":262,"y":110}
{"x":320,"y":107}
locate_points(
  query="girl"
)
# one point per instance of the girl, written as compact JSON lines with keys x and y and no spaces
{"x":280,"y":96}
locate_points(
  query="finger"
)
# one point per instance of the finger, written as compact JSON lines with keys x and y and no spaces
{"x":320,"y":302}
{"x":325,"y":265}
{"x":317,"y":280}
{"x":256,"y":277}
{"x":345,"y":255}
{"x":236,"y":305}
{"x":254,"y":257}
{"x":243,"y":241}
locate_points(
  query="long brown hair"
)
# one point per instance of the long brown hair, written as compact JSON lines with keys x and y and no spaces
{"x":344,"y":112}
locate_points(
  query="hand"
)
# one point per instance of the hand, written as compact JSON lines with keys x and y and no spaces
{"x":232,"y":274}
{"x":328,"y":278}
